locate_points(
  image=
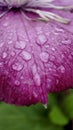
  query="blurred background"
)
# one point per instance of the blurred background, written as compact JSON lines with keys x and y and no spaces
{"x":57,"y":116}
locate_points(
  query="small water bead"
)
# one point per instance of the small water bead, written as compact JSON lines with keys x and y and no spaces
{"x":70,"y":57}
{"x":1,"y":43}
{"x":38,"y":29}
{"x":36,"y":75}
{"x":66,"y":41}
{"x":4,"y":55}
{"x":20,"y":45}
{"x":62,"y":69}
{"x":6,"y":23}
{"x":17,"y":82}
{"x":72,"y":53}
{"x":53,"y":49}
{"x":60,"y":58}
{"x":10,"y":42}
{"x":17,"y":66}
{"x":34,"y":69}
{"x":59,"y":29}
{"x":13,"y":53}
{"x":44,"y":56}
{"x":37,"y":79}
{"x":57,"y":81}
{"x":52,"y":58}
{"x":47,"y":46}
{"x":1,"y":64}
{"x":35,"y":94}
{"x":41,"y":39}
{"x":26,"y":55}
{"x":10,"y":36}
{"x":49,"y":83}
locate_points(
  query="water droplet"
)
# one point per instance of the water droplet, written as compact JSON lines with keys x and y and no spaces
{"x":70,"y":57}
{"x":1,"y":64}
{"x":4,"y":55}
{"x":41,"y":39}
{"x":44,"y":56}
{"x":37,"y":79}
{"x":17,"y":82}
{"x":36,"y":76}
{"x":47,"y":46}
{"x":66,"y":41}
{"x":49,"y":83}
{"x":13,"y":53}
{"x":58,"y":29}
{"x":57,"y":81}
{"x":52,"y":58}
{"x":72,"y":53}
{"x":1,"y":44}
{"x":5,"y":24}
{"x":34,"y":69}
{"x":20,"y":45}
{"x":35,"y":94}
{"x":62,"y":69}
{"x":53,"y":49}
{"x":17,"y":66}
{"x":10,"y":36}
{"x":26,"y":55}
{"x":10,"y":42}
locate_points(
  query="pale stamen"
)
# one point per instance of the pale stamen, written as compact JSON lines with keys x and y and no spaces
{"x":2,"y":14}
{"x":31,"y":6}
{"x":47,"y":4}
{"x":46,"y":16}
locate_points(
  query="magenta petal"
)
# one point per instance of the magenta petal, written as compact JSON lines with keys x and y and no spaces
{"x":35,"y":58}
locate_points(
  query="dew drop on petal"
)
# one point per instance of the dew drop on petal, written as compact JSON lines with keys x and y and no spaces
{"x":4,"y":55}
{"x":41,"y":39}
{"x":36,"y":76}
{"x":53,"y":49}
{"x":1,"y":64}
{"x":17,"y":66}
{"x":34,"y":69}
{"x":35,"y":94}
{"x":59,"y":30}
{"x":44,"y":56}
{"x":17,"y":82}
{"x":5,"y":24}
{"x":68,"y":41}
{"x":62,"y":69}
{"x":20,"y":45}
{"x":1,"y":44}
{"x":57,"y":81}
{"x":13,"y":53}
{"x":26,"y":55}
{"x":37,"y":79}
{"x":10,"y":42}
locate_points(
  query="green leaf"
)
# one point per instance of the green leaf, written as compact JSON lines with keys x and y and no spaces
{"x":53,"y":127}
{"x":52,"y":100}
{"x":57,"y":117}
{"x":68,"y":105}
{"x":23,"y":118}
{"x":18,"y":118}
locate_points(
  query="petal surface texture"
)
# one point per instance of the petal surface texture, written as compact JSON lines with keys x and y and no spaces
{"x":36,"y":58}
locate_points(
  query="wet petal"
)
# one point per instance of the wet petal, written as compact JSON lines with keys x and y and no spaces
{"x":36,"y":58}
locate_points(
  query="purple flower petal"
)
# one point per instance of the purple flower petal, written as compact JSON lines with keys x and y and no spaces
{"x":36,"y":58}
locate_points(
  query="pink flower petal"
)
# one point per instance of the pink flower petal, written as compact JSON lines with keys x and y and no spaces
{"x":43,"y":63}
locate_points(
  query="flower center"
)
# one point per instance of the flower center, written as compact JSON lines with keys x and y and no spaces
{"x":38,"y":7}
{"x":13,"y":3}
